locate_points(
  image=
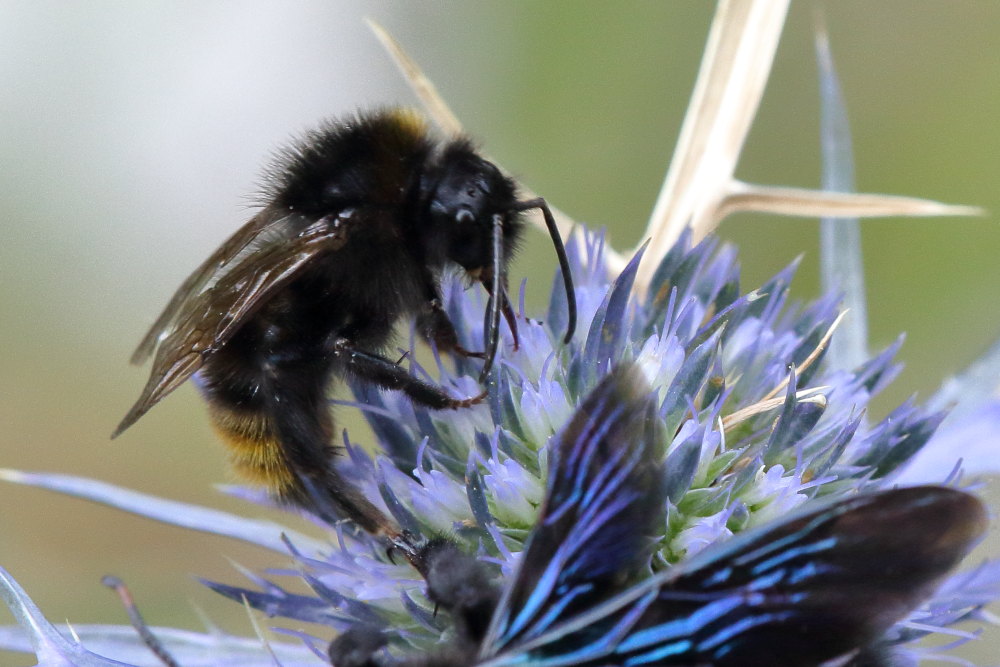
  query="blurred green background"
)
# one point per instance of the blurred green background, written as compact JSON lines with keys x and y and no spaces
{"x":132,"y":133}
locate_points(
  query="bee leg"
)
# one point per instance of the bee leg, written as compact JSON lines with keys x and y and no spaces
{"x":435,"y":327}
{"x":382,"y":372}
{"x":460,"y":583}
{"x":357,"y":647}
{"x":295,"y":402}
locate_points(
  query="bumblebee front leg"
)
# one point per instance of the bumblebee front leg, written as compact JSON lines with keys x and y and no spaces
{"x":382,"y":372}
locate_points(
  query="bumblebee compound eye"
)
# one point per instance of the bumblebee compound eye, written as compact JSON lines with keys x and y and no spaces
{"x":466,"y":190}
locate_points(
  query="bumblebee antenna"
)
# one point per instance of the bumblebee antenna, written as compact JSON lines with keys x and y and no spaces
{"x":494,"y":285}
{"x":557,"y":242}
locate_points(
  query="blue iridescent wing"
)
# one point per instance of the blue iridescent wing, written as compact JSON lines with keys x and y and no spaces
{"x":604,"y":493}
{"x":821,"y":584}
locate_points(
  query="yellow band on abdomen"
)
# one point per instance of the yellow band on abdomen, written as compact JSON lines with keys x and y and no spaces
{"x":254,"y":449}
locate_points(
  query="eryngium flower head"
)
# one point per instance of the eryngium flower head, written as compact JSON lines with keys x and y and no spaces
{"x":753,"y":424}
{"x":748,"y":428}
{"x":752,"y":433}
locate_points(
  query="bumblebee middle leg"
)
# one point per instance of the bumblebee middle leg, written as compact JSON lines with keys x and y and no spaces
{"x":382,"y":372}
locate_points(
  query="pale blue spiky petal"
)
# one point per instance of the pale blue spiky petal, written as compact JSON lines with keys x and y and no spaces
{"x":190,"y":649}
{"x":972,"y":442}
{"x":841,"y":263}
{"x":971,"y":388}
{"x":53,"y":648}
{"x":185,"y":515}
{"x":970,"y":434}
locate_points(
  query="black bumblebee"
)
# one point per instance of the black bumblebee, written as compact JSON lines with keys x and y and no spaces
{"x":822,"y":584}
{"x":361,"y":219}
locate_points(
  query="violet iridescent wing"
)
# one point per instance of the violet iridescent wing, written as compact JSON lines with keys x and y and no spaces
{"x":604,"y":494}
{"x":822,"y":584}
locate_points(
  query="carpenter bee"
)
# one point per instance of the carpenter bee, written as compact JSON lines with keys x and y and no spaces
{"x":361,"y":219}
{"x":822,"y":584}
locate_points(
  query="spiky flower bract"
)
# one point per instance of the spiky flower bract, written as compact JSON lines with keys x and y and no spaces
{"x":757,"y":424}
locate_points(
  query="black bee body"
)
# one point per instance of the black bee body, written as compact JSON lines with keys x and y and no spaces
{"x":361,"y":220}
{"x":381,"y":179}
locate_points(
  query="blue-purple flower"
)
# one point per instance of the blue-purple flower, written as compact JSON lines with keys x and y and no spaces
{"x":757,"y":426}
{"x":754,"y":422}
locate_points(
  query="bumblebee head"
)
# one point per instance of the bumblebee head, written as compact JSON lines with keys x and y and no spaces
{"x":474,"y":220}
{"x":468,"y":199}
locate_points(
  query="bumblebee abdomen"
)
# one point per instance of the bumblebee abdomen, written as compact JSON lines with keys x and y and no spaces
{"x":255,"y":451}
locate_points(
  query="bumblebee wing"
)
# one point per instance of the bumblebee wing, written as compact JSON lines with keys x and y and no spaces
{"x":208,"y":319}
{"x":604,"y":491}
{"x":818,"y":586}
{"x":225,"y":255}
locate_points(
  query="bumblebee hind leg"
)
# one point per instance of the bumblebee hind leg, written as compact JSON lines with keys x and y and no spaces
{"x":357,"y":647}
{"x":294,"y":400}
{"x":278,"y":429}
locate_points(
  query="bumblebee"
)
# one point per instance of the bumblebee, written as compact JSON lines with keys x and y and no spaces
{"x":360,"y":220}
